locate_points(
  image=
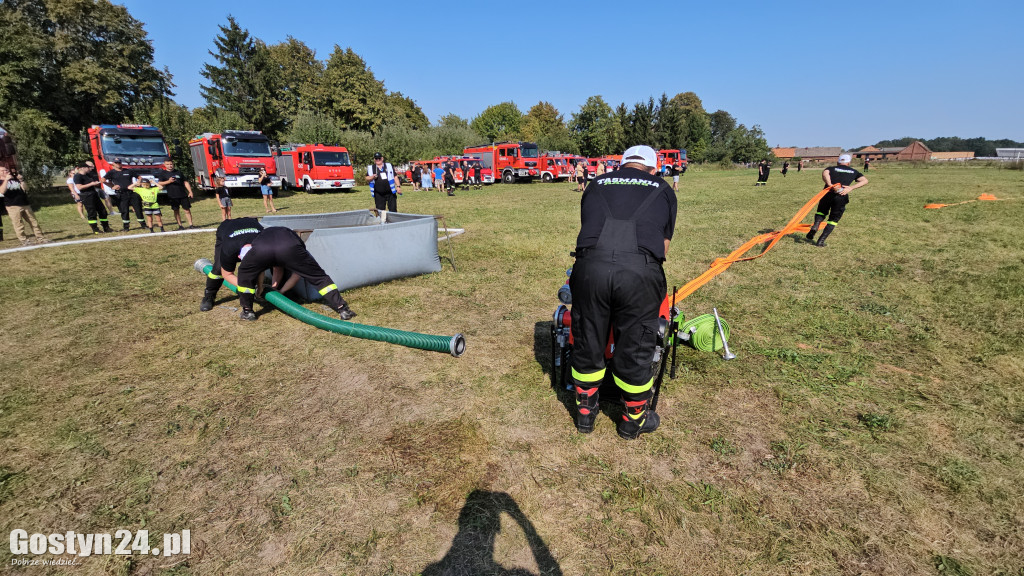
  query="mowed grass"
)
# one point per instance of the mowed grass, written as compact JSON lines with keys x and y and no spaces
{"x":873,"y":422}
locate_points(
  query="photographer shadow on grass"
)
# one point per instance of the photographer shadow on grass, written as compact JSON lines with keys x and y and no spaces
{"x":472,"y":550}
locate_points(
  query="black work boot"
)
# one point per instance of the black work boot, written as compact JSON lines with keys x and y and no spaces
{"x":125,"y":228}
{"x":207,"y":302}
{"x":811,"y":233}
{"x":824,"y":234}
{"x":587,"y":407}
{"x":248,"y":315}
{"x":637,"y":420}
{"x":95,"y":228}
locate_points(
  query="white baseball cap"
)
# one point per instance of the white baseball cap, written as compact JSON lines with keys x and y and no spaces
{"x":845,"y":158}
{"x":641,"y":155}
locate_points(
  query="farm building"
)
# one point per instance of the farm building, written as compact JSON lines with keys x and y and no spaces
{"x":945,"y":156}
{"x":1010,"y":153}
{"x":784,"y":153}
{"x":819,"y":153}
{"x":915,"y":152}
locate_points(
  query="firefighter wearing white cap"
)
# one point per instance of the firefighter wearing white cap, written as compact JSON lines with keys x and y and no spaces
{"x":833,"y":204}
{"x":617,"y":284}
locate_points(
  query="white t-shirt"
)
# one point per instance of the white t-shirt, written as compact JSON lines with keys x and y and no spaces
{"x":71,"y":182}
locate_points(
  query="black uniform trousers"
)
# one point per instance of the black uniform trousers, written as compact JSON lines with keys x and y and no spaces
{"x":831,"y":207}
{"x":129,"y":199}
{"x":387,"y":201}
{"x":279,"y":246}
{"x":618,"y":293}
{"x":95,"y":209}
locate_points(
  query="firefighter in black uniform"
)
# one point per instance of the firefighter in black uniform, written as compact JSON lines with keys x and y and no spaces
{"x":232,"y":235}
{"x":120,"y":181}
{"x":617,"y":285}
{"x":833,"y":204}
{"x":90,"y":188}
{"x":280,"y":248}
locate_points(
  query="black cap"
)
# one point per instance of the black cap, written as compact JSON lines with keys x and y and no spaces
{"x":377,"y":155}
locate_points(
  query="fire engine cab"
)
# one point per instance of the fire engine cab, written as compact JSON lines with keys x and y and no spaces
{"x":140,"y":148}
{"x":675,"y":158}
{"x":554,"y":167}
{"x":238,"y":154}
{"x":511,"y":161}
{"x":315,"y":167}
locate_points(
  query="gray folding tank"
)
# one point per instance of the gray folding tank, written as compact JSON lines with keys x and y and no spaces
{"x":356,"y":249}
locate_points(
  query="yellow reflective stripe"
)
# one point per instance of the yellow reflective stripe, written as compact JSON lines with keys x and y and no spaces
{"x":592,"y":377}
{"x":327,"y":289}
{"x":633,"y":389}
{"x":214,"y":276}
{"x":831,"y":223}
{"x":246,"y":290}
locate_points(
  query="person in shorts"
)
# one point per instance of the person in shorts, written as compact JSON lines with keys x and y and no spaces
{"x":223,"y":197}
{"x":267,"y":191}
{"x":179,"y":192}
{"x":74,"y":193}
{"x":148,"y":191}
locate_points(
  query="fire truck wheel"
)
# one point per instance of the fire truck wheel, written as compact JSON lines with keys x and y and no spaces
{"x":508,"y":178}
{"x":546,"y":178}
{"x":306,"y":186}
{"x":284,"y":183}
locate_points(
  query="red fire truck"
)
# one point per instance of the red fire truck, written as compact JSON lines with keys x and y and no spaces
{"x":676,"y":158}
{"x":8,"y":158}
{"x":239,"y":154}
{"x":554,"y":167}
{"x":315,"y":167}
{"x":141,"y":148}
{"x":512,"y":161}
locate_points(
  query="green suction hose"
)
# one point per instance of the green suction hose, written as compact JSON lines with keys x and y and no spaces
{"x":455,"y":345}
{"x":703,"y":333}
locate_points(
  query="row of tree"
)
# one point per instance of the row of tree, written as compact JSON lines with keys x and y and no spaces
{"x":981,"y":147}
{"x":68,"y":64}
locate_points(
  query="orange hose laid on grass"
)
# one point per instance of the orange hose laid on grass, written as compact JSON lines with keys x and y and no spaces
{"x":720,"y":264}
{"x":984,"y":197}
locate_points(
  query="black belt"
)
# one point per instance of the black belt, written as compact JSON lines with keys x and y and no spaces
{"x":615,"y":256}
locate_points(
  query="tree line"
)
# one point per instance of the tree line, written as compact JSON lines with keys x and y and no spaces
{"x":69,"y":64}
{"x":981,"y":147}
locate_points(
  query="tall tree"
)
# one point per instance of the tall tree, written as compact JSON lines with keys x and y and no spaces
{"x":400,"y":110}
{"x":641,"y":122}
{"x":544,"y":125}
{"x":722,"y":124}
{"x":244,"y":79}
{"x":595,"y":128}
{"x":354,"y":96}
{"x":65,"y":65}
{"x":698,"y":135}
{"x":499,"y":122}
{"x":299,"y":74}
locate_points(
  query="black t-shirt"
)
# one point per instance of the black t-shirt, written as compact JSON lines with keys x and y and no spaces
{"x":380,"y":180}
{"x":223,"y":192}
{"x":844,"y":175}
{"x":15,"y":194}
{"x":121,"y":178}
{"x":624,"y":191}
{"x":174,"y":189}
{"x":87,"y":178}
{"x":232,"y":235}
{"x":265,"y":181}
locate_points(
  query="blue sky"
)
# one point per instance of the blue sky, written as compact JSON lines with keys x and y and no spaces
{"x":809,"y":73}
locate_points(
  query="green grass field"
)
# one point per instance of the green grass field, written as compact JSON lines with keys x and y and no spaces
{"x":873,"y":422}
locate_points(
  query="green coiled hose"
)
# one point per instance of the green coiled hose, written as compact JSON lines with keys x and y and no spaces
{"x":703,"y":332}
{"x":455,"y":345}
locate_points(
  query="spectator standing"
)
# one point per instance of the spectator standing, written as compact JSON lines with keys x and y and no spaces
{"x":426,"y":181}
{"x":267,"y":192}
{"x":89,"y":189}
{"x":148,"y":193}
{"x":223,"y":197}
{"x":439,"y":178}
{"x":74,"y":193}
{"x":867,"y":163}
{"x":120,"y":181}
{"x":449,"y":178}
{"x":179,"y":192}
{"x":417,"y":174}
{"x":581,"y":174}
{"x":13,"y":193}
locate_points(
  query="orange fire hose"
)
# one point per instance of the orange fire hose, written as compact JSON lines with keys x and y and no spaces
{"x":720,"y":264}
{"x":984,"y":197}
